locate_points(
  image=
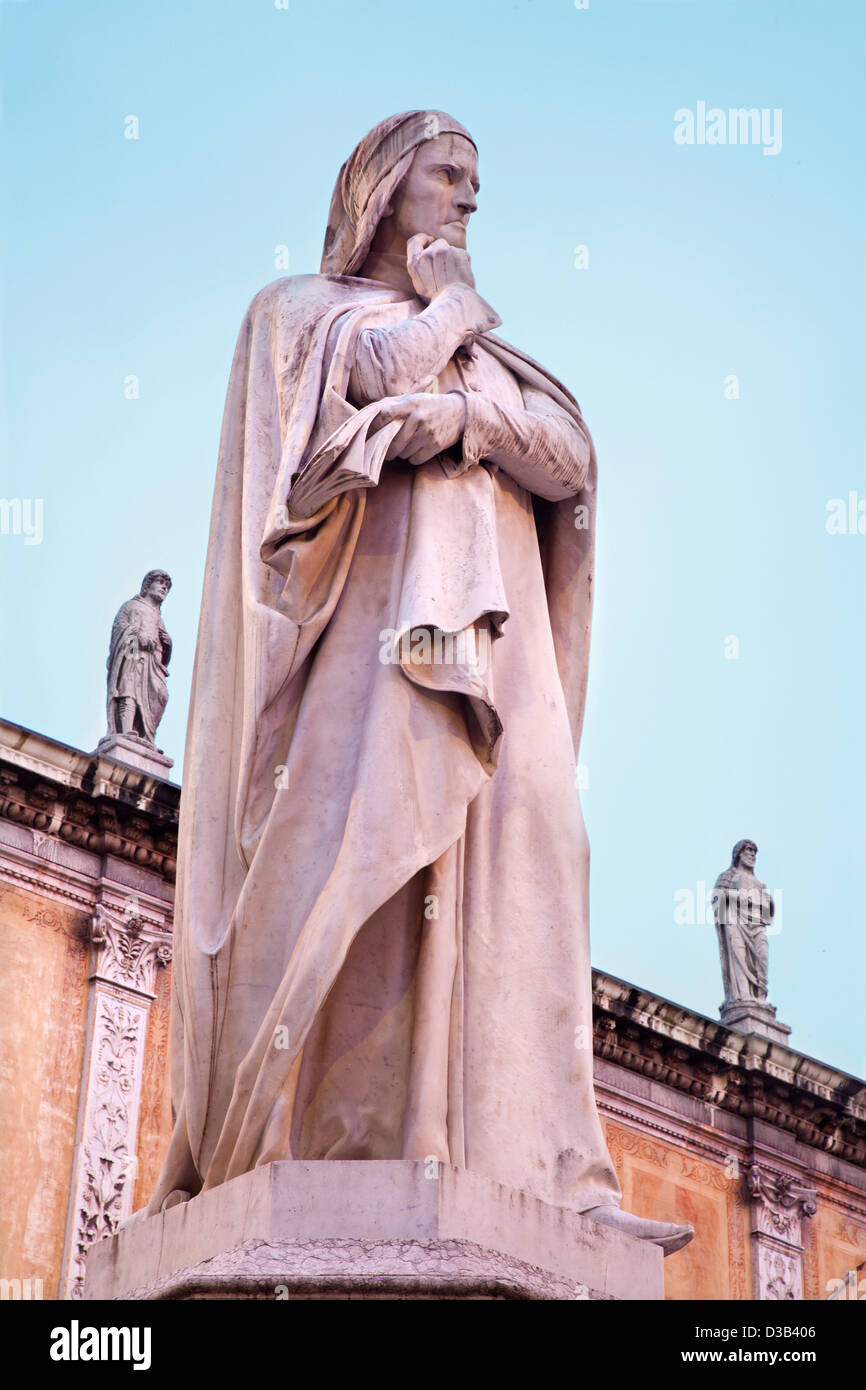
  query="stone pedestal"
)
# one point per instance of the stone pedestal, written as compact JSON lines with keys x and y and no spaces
{"x":753,"y":1017}
{"x":370,"y":1230}
{"x":135,"y":752}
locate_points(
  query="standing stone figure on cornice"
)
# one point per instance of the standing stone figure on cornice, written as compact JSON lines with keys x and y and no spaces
{"x":743,"y":909}
{"x":137,"y":663}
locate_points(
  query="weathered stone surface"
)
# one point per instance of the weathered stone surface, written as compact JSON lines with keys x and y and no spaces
{"x":384,"y":923}
{"x":379,"y":1229}
{"x":135,"y":753}
{"x":755,"y":1017}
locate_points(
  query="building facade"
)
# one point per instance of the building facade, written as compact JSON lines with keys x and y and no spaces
{"x":761,"y":1148}
{"x":87,"y":861}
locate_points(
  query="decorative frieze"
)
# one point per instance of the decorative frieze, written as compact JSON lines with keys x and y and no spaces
{"x":746,"y":1075}
{"x":90,"y":802}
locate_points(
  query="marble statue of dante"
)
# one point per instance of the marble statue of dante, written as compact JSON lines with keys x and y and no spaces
{"x":138,"y":657}
{"x":743,"y":910}
{"x":382,"y":917}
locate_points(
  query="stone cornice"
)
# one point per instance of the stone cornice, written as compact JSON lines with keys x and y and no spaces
{"x":745,"y":1074}
{"x":89,"y":801}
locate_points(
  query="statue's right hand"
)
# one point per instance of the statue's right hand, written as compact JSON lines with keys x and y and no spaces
{"x":429,"y":424}
{"x":434,"y":264}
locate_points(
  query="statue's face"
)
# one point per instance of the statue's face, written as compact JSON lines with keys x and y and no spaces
{"x":747,"y":856}
{"x":437,"y":196}
{"x":158,"y":588}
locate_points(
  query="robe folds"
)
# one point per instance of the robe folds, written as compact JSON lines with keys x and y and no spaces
{"x":135,"y":672}
{"x":743,"y":911}
{"x":382,"y":941}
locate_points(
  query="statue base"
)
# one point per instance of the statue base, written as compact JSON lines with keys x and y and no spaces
{"x":753,"y":1017}
{"x":377,"y":1229}
{"x":134,"y":752}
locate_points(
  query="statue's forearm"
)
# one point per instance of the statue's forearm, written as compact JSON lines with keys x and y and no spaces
{"x":542,"y":448}
{"x":400,"y":359}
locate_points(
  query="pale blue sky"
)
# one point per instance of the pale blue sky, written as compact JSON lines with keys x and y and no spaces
{"x":139,"y":257}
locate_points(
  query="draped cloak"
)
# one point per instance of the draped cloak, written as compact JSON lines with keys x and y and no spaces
{"x":313,"y":810}
{"x":136,"y":673}
{"x":743,"y":909}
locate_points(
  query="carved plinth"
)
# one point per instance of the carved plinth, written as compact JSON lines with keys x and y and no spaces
{"x":370,"y":1230}
{"x":135,"y":752}
{"x":755,"y":1017}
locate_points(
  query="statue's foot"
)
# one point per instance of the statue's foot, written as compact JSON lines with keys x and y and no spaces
{"x":175,"y":1198}
{"x":133,"y":1218}
{"x":667,"y":1234}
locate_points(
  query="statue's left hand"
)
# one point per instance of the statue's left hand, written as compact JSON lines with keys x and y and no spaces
{"x":430,"y":424}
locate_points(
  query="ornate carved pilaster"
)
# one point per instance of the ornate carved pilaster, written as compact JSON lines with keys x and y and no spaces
{"x":126,"y":954}
{"x":779,"y":1204}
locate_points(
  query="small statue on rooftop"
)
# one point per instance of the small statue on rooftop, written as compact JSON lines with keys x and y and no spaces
{"x":743,"y":909}
{"x":137,"y":662}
